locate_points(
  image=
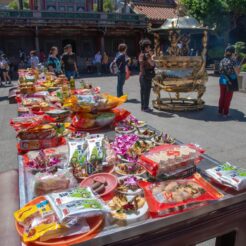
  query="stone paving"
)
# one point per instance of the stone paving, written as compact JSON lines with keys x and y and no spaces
{"x":224,"y":139}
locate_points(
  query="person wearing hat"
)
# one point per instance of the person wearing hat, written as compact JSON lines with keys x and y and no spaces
{"x":228,"y":80}
{"x":147,"y":73}
{"x":69,"y":62}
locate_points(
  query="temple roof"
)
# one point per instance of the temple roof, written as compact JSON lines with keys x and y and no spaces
{"x":154,"y":12}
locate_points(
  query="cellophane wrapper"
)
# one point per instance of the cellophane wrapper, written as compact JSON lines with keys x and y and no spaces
{"x":162,"y":201}
{"x":165,"y":158}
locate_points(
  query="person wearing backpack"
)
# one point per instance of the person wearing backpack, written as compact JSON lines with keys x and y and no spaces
{"x":121,"y":62}
{"x":147,"y":73}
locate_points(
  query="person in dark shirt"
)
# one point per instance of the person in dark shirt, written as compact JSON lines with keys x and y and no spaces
{"x":53,"y":62}
{"x":121,"y":63}
{"x":147,"y":72}
{"x":228,"y":80}
{"x":69,"y":62}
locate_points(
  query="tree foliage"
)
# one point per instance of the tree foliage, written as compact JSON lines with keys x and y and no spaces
{"x":222,"y":14}
{"x":15,"y":4}
{"x":108,"y":6}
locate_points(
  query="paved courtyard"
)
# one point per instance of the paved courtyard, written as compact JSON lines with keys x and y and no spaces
{"x":224,"y":140}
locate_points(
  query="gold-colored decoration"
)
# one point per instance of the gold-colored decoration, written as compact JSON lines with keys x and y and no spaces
{"x":179,"y":61}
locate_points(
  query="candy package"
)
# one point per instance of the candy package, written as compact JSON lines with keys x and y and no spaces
{"x":72,"y":205}
{"x":229,"y":175}
{"x":166,"y":158}
{"x":170,"y":197}
{"x":61,"y":180}
{"x":41,"y":223}
{"x":26,"y":145}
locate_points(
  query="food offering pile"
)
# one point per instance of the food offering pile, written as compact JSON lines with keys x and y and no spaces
{"x":79,"y":176}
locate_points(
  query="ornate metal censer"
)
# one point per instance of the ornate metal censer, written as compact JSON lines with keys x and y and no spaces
{"x":178,"y":72}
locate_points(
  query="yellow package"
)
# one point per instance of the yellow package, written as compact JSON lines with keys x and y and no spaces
{"x":27,"y":214}
{"x":40,"y":230}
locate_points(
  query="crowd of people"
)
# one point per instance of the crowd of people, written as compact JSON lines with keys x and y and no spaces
{"x":120,"y":66}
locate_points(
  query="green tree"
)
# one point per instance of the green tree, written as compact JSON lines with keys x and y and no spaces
{"x":221,"y":14}
{"x":108,"y":6}
{"x":15,"y":4}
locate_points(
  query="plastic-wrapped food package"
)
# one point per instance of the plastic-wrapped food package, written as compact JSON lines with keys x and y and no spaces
{"x":46,"y":131}
{"x":61,"y":180}
{"x":90,"y":154}
{"x":170,"y":197}
{"x":60,"y":152}
{"x":166,"y":158}
{"x":74,"y":204}
{"x":229,"y":175}
{"x":27,"y":145}
{"x":30,"y":121}
{"x":41,"y":223}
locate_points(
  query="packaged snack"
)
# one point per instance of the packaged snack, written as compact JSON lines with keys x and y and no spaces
{"x":61,"y":180}
{"x":96,"y":150}
{"x":169,"y":197}
{"x":78,"y":158}
{"x":74,"y":204}
{"x":166,"y":158}
{"x":26,"y":145}
{"x":90,"y":155}
{"x":26,"y":215}
{"x":229,"y":175}
{"x":41,"y":223}
{"x":29,"y":121}
{"x":39,"y":132}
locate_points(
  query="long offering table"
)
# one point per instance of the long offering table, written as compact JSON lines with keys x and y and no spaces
{"x":224,"y":219}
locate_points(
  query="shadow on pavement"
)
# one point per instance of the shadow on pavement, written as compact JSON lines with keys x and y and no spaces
{"x":162,"y":114}
{"x":4,"y":98}
{"x":210,"y":113}
{"x":132,"y":101}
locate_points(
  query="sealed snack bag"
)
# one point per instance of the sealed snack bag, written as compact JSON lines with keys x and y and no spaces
{"x":45,"y":183}
{"x":41,"y":223}
{"x":170,"y":197}
{"x":229,"y":175}
{"x":74,"y":204}
{"x":30,"y":121}
{"x":78,"y":158}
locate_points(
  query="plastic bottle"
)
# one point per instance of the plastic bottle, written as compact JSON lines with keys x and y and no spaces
{"x":72,"y":83}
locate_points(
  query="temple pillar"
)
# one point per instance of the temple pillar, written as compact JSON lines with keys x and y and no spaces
{"x":99,"y":5}
{"x":36,"y":39}
{"x":21,"y":4}
{"x":102,"y":44}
